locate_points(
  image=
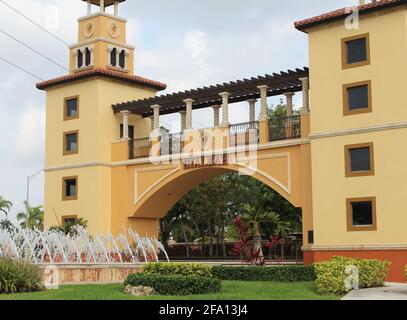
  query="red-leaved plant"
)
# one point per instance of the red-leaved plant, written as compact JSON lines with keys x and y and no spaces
{"x":248,"y":253}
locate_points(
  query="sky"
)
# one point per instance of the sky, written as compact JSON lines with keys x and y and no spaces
{"x":184,"y":43}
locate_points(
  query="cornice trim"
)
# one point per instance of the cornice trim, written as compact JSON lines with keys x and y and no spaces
{"x":394,"y":247}
{"x":345,"y":132}
{"x":98,"y":39}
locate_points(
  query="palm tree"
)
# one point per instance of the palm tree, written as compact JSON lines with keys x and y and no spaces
{"x":183,"y":228}
{"x":33,"y":217}
{"x":5,"y":205}
{"x":258,"y":215}
{"x":6,"y":225}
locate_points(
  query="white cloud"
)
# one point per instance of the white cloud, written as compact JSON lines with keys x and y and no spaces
{"x":196,"y":44}
{"x":30,"y":133}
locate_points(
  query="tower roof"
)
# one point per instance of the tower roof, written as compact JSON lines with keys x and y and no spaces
{"x":107,"y":2}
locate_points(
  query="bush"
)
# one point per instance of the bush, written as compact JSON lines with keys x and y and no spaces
{"x":331,"y":274}
{"x":175,"y":285}
{"x":181,"y":269}
{"x":253,"y":273}
{"x":18,"y":276}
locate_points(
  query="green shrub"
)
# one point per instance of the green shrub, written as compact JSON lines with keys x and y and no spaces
{"x":175,"y":285}
{"x":275,"y":273}
{"x":18,"y":276}
{"x":331,"y":274}
{"x":181,"y":269}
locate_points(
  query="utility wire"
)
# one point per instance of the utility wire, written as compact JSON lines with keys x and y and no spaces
{"x":35,"y":23}
{"x":32,"y":49}
{"x":16,"y":66}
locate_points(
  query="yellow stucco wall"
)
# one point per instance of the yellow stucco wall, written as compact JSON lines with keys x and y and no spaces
{"x":387,"y":71}
{"x":98,"y":128}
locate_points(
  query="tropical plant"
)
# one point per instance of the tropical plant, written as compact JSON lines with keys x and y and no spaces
{"x":7,"y":225}
{"x":5,"y":205}
{"x":32,"y":218}
{"x":70,"y":227}
{"x":256,"y":216}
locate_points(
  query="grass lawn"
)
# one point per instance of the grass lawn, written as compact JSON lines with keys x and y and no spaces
{"x":231,"y":290}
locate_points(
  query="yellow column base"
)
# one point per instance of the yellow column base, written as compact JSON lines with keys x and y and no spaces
{"x":264,"y":132}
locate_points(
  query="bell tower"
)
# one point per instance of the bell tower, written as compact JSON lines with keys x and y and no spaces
{"x":102,"y":40}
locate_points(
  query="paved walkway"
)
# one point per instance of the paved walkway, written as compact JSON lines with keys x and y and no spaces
{"x":392,"y":291}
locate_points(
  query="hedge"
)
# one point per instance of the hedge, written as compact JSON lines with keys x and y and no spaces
{"x":331,"y":275}
{"x":274,"y":273}
{"x":175,"y":285}
{"x":18,"y":276}
{"x":181,"y":269}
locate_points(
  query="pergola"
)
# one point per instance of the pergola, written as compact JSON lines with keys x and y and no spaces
{"x":237,"y":91}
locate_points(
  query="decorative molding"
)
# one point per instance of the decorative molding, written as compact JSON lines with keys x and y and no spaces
{"x":286,"y":188}
{"x":354,"y":247}
{"x":345,"y":132}
{"x":104,"y":14}
{"x":153,"y":169}
{"x":79,"y":165}
{"x":115,"y":43}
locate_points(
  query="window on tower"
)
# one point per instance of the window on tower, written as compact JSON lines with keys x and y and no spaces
{"x":88,"y":57}
{"x":80,"y":59}
{"x":113,"y":57}
{"x":122,"y":59}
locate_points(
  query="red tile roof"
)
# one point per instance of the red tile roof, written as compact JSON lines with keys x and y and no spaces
{"x":344,"y":12}
{"x":100,"y":72}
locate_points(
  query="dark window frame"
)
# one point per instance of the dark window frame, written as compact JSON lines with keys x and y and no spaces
{"x":349,"y":214}
{"x":67,"y":152}
{"x":66,"y":116}
{"x":346,"y":110}
{"x":64,"y":190}
{"x":348,"y":161}
{"x":345,"y":64}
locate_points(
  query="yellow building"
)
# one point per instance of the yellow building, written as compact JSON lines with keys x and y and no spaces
{"x":341,"y":160}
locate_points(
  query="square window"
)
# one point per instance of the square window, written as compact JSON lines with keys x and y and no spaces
{"x":69,"y":220}
{"x":359,"y":160}
{"x":71,"y":108}
{"x":70,"y":188}
{"x":355,"y":51}
{"x":361,"y":214}
{"x":357,"y":98}
{"x":71,"y":142}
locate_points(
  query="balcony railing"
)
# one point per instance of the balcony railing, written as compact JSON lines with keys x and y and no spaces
{"x":139,"y":148}
{"x":246,"y":133}
{"x":171,"y":143}
{"x":241,"y":134}
{"x":284,"y":128}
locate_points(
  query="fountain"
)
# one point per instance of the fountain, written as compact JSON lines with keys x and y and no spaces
{"x":55,"y":247}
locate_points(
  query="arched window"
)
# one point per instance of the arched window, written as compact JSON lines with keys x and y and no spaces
{"x":122,"y":59}
{"x":113,"y":57}
{"x":80,"y":59}
{"x":88,"y":58}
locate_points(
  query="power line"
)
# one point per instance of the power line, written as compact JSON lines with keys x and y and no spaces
{"x":33,"y":22}
{"x":32,"y":49}
{"x":16,"y":66}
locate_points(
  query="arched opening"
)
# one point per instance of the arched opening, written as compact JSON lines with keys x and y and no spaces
{"x":113,"y":57}
{"x":88,"y":57}
{"x":201,"y":225}
{"x":122,"y":59}
{"x":80,"y":58}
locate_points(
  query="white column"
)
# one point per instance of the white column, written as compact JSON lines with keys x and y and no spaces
{"x":264,"y":106}
{"x":102,"y":5}
{"x":152,"y":122}
{"x":118,"y":57}
{"x":183,"y":120}
{"x":289,"y":98}
{"x":89,"y":7}
{"x":125,"y":122}
{"x":252,"y":109}
{"x":116,"y":8}
{"x":305,"y":94}
{"x":156,"y":119}
{"x":189,"y":103}
{"x":216,"y":120}
{"x":225,"y":108}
